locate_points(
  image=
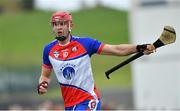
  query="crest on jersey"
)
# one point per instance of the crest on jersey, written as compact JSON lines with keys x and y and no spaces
{"x":74,"y":49}
{"x":56,"y":54}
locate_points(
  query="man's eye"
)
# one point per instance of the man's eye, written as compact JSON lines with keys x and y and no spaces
{"x":53,"y":24}
{"x":58,"y":23}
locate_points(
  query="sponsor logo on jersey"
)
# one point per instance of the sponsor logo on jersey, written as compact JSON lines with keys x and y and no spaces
{"x":68,"y":71}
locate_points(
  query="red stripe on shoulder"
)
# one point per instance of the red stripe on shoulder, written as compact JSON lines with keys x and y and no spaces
{"x":100,"y":48}
{"x":46,"y":66}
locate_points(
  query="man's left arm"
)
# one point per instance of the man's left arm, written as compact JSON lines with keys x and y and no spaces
{"x":126,"y":49}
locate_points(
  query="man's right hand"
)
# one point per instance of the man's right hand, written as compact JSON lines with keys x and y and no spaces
{"x":42,"y":87}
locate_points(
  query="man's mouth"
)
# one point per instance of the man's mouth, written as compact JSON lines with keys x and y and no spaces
{"x":60,"y":33}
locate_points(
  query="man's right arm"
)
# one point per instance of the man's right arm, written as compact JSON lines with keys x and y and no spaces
{"x":44,"y":80}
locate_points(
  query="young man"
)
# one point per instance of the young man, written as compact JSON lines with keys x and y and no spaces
{"x":69,"y":57}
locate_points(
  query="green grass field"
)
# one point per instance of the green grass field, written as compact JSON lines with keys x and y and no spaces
{"x":23,"y":36}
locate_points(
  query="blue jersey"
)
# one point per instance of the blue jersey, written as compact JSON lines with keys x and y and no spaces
{"x":71,"y":64}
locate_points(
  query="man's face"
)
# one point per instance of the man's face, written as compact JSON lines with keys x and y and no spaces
{"x":61,"y":28}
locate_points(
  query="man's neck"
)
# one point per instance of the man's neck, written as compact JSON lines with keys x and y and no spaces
{"x":66,"y":41}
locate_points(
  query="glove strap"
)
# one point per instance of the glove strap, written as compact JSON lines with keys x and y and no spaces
{"x":141,"y":48}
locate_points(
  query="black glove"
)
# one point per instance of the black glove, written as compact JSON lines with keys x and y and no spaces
{"x":141,"y":48}
{"x":43,"y":84}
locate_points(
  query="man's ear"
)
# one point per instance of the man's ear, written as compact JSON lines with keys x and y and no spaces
{"x":71,"y":25}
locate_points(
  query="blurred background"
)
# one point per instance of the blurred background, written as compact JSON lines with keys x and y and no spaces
{"x":152,"y":82}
